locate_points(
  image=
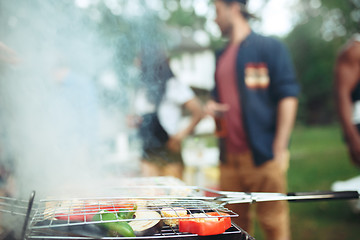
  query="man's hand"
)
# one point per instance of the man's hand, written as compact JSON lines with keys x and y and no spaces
{"x":282,"y":158}
{"x":286,"y":114}
{"x":174,"y":144}
{"x":133,"y":121}
{"x":216,"y":109}
{"x":281,"y":154}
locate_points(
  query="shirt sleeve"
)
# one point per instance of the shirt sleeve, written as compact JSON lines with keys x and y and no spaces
{"x":283,"y":79}
{"x":178,"y":92}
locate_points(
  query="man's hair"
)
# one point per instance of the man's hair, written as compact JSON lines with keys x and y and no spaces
{"x":240,"y":1}
{"x":244,"y":11}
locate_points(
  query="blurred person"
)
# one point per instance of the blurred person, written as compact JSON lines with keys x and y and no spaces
{"x":158,"y":104}
{"x":75,"y":111}
{"x":8,"y":58}
{"x":347,"y":93}
{"x":255,"y":103}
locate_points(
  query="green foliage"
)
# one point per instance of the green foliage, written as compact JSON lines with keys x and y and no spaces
{"x":314,"y":63}
{"x":188,"y":18}
{"x":314,"y":44}
{"x":350,"y":13}
{"x":181,"y":17}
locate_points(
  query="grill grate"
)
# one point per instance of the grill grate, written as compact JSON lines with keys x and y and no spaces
{"x":166,"y":233}
{"x":80,"y":212}
{"x":72,"y":217}
{"x":13,"y":206}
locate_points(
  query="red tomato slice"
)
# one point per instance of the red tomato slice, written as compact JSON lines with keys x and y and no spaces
{"x":206,"y":226}
{"x":87,"y":212}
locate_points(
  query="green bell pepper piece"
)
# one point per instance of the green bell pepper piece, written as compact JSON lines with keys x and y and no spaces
{"x":122,"y":228}
{"x":126,"y":214}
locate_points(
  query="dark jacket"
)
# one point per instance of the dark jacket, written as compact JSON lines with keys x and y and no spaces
{"x":259,"y":102}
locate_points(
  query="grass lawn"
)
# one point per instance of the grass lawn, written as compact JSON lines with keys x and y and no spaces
{"x":318,"y":159}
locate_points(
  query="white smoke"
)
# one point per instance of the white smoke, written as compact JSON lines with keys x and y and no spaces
{"x":52,"y":128}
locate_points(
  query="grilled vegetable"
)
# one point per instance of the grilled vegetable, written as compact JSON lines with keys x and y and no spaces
{"x":92,"y":231}
{"x":125,"y":213}
{"x":87,"y":211}
{"x":146,"y":223}
{"x":205,"y":224}
{"x":115,"y":228}
{"x":173,"y":215}
{"x":78,"y":213}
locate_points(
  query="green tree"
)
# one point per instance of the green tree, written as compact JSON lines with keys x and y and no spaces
{"x":314,"y":43}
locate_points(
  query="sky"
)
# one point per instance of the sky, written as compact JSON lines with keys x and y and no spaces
{"x":276,"y":16}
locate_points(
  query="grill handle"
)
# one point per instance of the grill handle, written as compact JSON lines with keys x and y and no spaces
{"x":27,"y":216}
{"x":242,"y":197}
{"x":326,"y":195}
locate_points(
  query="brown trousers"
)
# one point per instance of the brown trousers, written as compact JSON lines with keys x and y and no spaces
{"x":149,"y":169}
{"x":240,"y":174}
{"x":163,"y":162}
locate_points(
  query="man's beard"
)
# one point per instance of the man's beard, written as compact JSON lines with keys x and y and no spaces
{"x":226,"y":31}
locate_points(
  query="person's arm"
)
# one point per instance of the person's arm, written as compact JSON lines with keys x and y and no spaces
{"x":195,"y":108}
{"x":216,"y":109}
{"x":285,"y":90}
{"x":347,"y":74}
{"x":286,"y":114}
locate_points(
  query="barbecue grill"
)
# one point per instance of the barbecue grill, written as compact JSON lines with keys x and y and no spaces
{"x":72,"y":218}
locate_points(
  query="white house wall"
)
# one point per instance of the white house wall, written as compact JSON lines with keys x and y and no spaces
{"x":195,"y":69}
